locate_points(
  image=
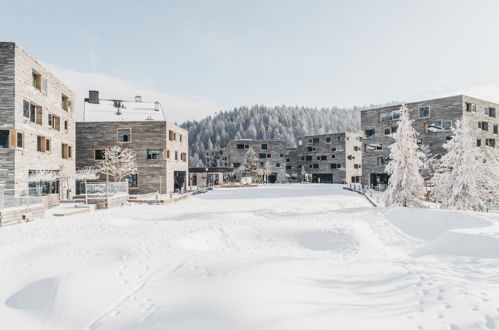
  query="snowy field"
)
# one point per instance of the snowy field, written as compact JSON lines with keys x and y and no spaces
{"x":276,"y":257}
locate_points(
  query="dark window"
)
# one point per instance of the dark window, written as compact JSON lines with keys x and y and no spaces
{"x":315,"y":165}
{"x":4,"y":139}
{"x":20,"y":139}
{"x":323,"y":158}
{"x":66,"y":125}
{"x":26,"y":109}
{"x":288,"y":160}
{"x":490,"y":142}
{"x":308,"y":158}
{"x":478,"y":143}
{"x":240,"y":146}
{"x":369,"y":133}
{"x":47,"y":145}
{"x":278,"y":165}
{"x":309,"y":149}
{"x":316,"y":140}
{"x":281,"y":155}
{"x":424,"y":112}
{"x":288,"y":167}
{"x":494,"y":129}
{"x":236,"y":165}
{"x":99,"y":154}
{"x":264,"y":146}
{"x":328,"y":139}
{"x":124,"y":135}
{"x":155,"y":154}
{"x":132,"y":179}
{"x":262,"y":155}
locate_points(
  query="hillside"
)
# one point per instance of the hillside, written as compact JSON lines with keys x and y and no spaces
{"x":262,"y":122}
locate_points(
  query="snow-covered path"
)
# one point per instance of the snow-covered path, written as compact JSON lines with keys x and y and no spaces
{"x":275,"y":257}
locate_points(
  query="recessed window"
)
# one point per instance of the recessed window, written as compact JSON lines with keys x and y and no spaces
{"x":20,"y":139}
{"x":66,"y":125}
{"x":494,"y":129}
{"x":369,"y":133}
{"x":490,"y":142}
{"x":328,"y":140}
{"x":99,"y":154}
{"x":424,"y":112}
{"x":264,"y":146}
{"x":335,"y":166}
{"x":133,"y":180}
{"x":380,"y":161}
{"x":470,"y":107}
{"x":41,"y":144}
{"x":437,"y":126}
{"x":65,"y":102}
{"x":278,"y":165}
{"x":356,"y":166}
{"x":4,"y":139}
{"x":391,"y":115}
{"x":240,"y":146}
{"x":47,"y":145}
{"x":171,"y":135}
{"x":124,"y":135}
{"x":491,"y":112}
{"x":478,"y":142}
{"x":65,"y":151}
{"x":316,"y":140}
{"x":154,"y":154}
{"x":373,"y":147}
{"x":26,"y":112}
{"x":37,"y":80}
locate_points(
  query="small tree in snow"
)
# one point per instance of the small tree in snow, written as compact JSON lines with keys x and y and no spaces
{"x":267,"y":171}
{"x":84,"y":174}
{"x":40,"y":176}
{"x":405,"y":186}
{"x":118,"y":162}
{"x":250,"y":166}
{"x":459,"y":181}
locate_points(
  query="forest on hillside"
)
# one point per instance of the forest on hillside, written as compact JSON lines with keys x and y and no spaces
{"x":262,"y":122}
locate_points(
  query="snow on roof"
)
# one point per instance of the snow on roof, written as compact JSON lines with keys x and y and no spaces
{"x":129,"y":111}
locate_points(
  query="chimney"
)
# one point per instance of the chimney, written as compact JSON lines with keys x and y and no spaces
{"x":93,"y":97}
{"x":138,"y":98}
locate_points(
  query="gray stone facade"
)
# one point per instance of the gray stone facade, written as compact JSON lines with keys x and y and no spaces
{"x":159,"y":173}
{"x":432,"y":119}
{"x":273,"y":152}
{"x":328,"y":158}
{"x":37,"y":117}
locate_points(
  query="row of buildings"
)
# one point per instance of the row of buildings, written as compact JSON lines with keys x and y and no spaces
{"x":38,"y":131}
{"x":361,"y":157}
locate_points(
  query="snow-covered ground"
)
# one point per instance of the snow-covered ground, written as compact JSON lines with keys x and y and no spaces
{"x":274,"y":257}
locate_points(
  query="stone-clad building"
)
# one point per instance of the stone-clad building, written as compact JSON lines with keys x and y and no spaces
{"x":217,"y":158}
{"x":37,"y":126}
{"x":433,"y":120}
{"x":267,"y":151}
{"x":161,"y":148}
{"x":328,"y":158}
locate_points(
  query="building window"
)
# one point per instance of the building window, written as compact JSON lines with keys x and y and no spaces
{"x":124,"y":135}
{"x":308,"y":158}
{"x":494,"y":129}
{"x":37,"y":80}
{"x":490,"y":142}
{"x":288,"y":167}
{"x":65,"y":151}
{"x":341,"y":139}
{"x":264,"y":146}
{"x":387,"y":131}
{"x":66,"y":125}
{"x":281,"y":155}
{"x":328,"y":140}
{"x":424,"y":112}
{"x":4,"y":139}
{"x":20,"y":140}
{"x":65,"y":102}
{"x":41,"y":145}
{"x":335,"y":166}
{"x":54,"y":122}
{"x":99,"y":154}
{"x":133,"y":180}
{"x":236,"y":165}
{"x":316,"y":140}
{"x":350,"y":157}
{"x":171,"y":135}
{"x":333,"y":149}
{"x":315,"y":165}
{"x":355,"y":179}
{"x":278,"y":165}
{"x":180,"y":137}
{"x":437,"y":126}
{"x":356,"y":166}
{"x":385,"y":116}
{"x":240,"y":146}
{"x":356,"y":148}
{"x":373,"y":147}
{"x":176,"y":155}
{"x":380,"y":161}
{"x":26,"y":111}
{"x":491,"y":112}
{"x":483,"y":125}
{"x":333,"y":156}
{"x":369,"y":133}
{"x":262,"y":155}
{"x":470,"y":107}
{"x":478,"y":142}
{"x":154,"y":154}
{"x":183,"y":156}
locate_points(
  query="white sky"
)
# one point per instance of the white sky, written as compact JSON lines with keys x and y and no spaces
{"x":198,"y":57}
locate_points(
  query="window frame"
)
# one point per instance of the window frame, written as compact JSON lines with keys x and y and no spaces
{"x":118,"y":134}
{"x":424,"y":107}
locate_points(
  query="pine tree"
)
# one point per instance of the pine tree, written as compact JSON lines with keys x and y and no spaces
{"x":459,"y":179}
{"x":406,"y":185}
{"x":250,"y":166}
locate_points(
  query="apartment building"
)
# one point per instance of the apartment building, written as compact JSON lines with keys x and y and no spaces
{"x":267,"y":151}
{"x":327,"y":158}
{"x":433,"y":120}
{"x":217,"y":158}
{"x":161,"y":147}
{"x":37,"y":126}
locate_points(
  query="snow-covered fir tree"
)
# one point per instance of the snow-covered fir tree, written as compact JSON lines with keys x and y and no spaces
{"x":459,"y":181}
{"x":250,"y":166}
{"x":491,"y":163}
{"x":430,"y":164}
{"x":406,"y":185}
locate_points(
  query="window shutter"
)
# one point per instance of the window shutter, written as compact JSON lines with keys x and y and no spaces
{"x":165,"y":153}
{"x":57,"y":123}
{"x":39,"y":115}
{"x":43,"y":144}
{"x":12,"y":138}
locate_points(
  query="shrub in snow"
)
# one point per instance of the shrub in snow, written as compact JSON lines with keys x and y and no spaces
{"x":461,"y":181}
{"x":118,"y":162}
{"x":250,"y":166}
{"x":406,"y":185}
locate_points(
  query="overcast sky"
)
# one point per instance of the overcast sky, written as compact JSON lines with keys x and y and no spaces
{"x":198,"y":57}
